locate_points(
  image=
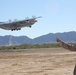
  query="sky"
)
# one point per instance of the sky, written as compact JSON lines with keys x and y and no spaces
{"x":57,"y":16}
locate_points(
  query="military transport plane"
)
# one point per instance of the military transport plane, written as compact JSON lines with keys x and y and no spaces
{"x":17,"y":25}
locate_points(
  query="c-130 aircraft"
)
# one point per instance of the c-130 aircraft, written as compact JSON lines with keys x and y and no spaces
{"x":17,"y":25}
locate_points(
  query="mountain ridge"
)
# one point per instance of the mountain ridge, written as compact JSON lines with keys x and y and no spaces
{"x":47,"y":38}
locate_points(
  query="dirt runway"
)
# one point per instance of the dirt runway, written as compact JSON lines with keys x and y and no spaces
{"x":44,"y":61}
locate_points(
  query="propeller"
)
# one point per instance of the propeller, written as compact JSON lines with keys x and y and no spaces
{"x":9,"y":20}
{"x":15,"y":19}
{"x":33,"y":17}
{"x":27,"y":18}
{"x":37,"y":17}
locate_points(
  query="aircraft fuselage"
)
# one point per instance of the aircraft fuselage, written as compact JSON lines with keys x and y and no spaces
{"x":17,"y":25}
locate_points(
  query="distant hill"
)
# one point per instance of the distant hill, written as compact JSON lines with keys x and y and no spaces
{"x":48,"y":38}
{"x":51,"y":37}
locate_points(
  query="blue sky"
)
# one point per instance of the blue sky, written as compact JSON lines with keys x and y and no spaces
{"x":57,"y":16}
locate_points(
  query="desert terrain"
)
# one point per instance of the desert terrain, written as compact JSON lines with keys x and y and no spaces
{"x":44,"y":61}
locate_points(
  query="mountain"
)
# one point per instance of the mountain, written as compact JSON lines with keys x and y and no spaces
{"x":48,"y":38}
{"x":51,"y":37}
{"x":14,"y":40}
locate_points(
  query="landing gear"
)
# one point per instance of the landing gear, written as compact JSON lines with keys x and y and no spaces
{"x":16,"y":29}
{"x":30,"y":26}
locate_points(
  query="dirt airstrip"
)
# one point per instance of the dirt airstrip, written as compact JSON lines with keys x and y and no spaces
{"x":45,"y":61}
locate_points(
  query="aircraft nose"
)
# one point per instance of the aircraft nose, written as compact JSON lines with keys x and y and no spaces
{"x":35,"y":20}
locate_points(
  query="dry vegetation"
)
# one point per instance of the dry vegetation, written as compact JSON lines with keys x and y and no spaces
{"x":29,"y":46}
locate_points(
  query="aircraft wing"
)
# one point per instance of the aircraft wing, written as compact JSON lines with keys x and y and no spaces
{"x":26,"y":21}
